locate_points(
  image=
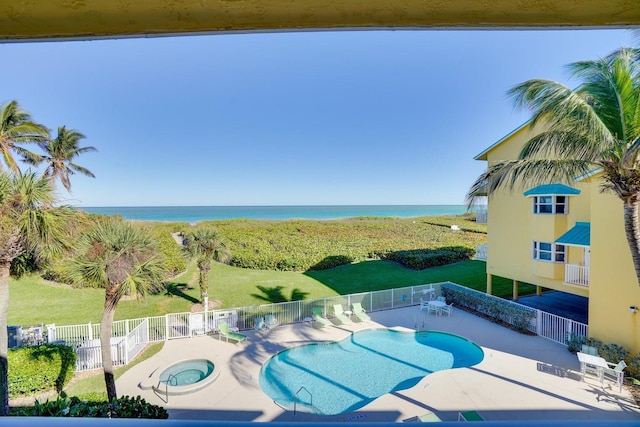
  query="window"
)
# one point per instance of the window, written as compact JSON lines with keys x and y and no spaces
{"x":544,"y":251}
{"x":550,"y":204}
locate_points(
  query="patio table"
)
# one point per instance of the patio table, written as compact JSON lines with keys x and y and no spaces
{"x":589,"y":359}
{"x":438,"y":305}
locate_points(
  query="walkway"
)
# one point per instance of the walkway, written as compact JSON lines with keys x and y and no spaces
{"x":521,"y":377}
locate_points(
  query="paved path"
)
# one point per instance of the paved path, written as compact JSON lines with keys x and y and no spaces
{"x":521,"y":377}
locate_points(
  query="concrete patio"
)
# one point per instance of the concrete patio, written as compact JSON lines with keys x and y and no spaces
{"x":521,"y":377}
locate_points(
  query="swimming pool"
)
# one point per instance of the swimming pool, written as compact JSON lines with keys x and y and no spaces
{"x":343,"y":376}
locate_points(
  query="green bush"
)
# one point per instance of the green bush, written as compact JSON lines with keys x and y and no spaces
{"x":123,"y":407}
{"x":496,"y":309}
{"x":633,"y":366}
{"x":40,"y":368}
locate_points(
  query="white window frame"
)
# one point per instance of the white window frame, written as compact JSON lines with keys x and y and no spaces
{"x":557,"y":205}
{"x":552,"y":252}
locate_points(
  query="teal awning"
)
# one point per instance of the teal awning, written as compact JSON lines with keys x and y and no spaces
{"x":579,"y":235}
{"x":552,"y":189}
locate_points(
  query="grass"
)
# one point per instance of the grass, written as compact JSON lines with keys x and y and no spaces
{"x":34,"y":301}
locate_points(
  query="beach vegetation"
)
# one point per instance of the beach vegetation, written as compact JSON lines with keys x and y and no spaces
{"x":17,"y":129}
{"x":121,"y":258}
{"x":40,"y":368}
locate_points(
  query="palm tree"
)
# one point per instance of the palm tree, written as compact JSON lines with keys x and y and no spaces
{"x":59,"y":153}
{"x":16,"y":127}
{"x":595,"y":127}
{"x":120,"y":257}
{"x":28,"y":222}
{"x":204,"y":244}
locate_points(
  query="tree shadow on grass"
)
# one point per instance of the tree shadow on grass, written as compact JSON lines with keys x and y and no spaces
{"x":52,"y":351}
{"x":177,"y":289}
{"x":274,"y":294}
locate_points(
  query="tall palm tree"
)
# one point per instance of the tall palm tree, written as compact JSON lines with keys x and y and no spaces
{"x":59,"y":154}
{"x":28,"y":222}
{"x":120,"y":257}
{"x":205,"y":246}
{"x":595,"y":127}
{"x":17,"y":128}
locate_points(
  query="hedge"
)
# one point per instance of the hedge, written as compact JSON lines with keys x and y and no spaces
{"x":39,"y":369}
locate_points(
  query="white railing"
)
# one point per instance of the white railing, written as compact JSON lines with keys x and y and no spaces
{"x":130,"y":336}
{"x":576,"y":274}
{"x":481,"y":252}
{"x":559,"y":329}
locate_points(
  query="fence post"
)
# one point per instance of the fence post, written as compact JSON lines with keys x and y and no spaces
{"x":392,"y":298}
{"x":538,"y":322}
{"x":166,"y":327}
{"x":90,"y":334}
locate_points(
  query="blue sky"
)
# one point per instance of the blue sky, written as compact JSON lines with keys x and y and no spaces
{"x":308,"y":118}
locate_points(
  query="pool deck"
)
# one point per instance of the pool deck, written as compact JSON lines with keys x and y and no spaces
{"x":521,"y":377}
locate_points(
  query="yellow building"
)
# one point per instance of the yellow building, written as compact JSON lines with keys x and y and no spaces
{"x":569,"y":238}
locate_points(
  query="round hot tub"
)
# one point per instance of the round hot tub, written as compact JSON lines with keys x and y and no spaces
{"x":184,"y":377}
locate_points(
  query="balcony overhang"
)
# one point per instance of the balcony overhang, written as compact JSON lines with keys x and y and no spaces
{"x":92,"y":19}
{"x":579,"y":235}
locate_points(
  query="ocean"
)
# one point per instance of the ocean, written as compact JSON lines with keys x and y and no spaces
{"x":193,"y":214}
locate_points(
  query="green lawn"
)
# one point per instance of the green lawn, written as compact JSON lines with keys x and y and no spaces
{"x":34,"y":301}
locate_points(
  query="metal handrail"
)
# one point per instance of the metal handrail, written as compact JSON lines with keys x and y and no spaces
{"x":166,"y":385}
{"x":295,"y":398}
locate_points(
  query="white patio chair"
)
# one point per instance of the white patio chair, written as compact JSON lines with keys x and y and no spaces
{"x":432,"y":308}
{"x":424,"y":304}
{"x":616,"y":372}
{"x":447,"y":309}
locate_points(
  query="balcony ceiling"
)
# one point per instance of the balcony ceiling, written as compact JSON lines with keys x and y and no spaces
{"x":90,"y":19}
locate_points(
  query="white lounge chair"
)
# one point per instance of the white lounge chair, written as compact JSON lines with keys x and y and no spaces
{"x":271,"y":321}
{"x":339,"y":315}
{"x":259,"y":324}
{"x":359,"y":313}
{"x":319,"y":320}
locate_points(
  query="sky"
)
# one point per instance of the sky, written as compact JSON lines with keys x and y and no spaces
{"x":302,"y":118}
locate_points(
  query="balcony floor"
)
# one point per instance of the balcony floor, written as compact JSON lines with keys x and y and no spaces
{"x":561,"y":303}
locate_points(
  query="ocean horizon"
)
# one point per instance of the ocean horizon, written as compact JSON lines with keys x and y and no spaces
{"x":194,"y":214}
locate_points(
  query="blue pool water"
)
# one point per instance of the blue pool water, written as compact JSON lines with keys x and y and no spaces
{"x":187,"y":372}
{"x":346,"y":375}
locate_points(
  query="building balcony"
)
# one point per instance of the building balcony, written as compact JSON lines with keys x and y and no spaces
{"x":576,"y":274}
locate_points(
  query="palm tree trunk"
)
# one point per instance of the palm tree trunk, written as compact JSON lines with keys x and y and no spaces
{"x":4,"y":339}
{"x":106,"y":325}
{"x":632,"y":230}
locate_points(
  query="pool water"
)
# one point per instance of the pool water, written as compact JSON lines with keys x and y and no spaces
{"x":187,"y":372}
{"x":343,"y":376}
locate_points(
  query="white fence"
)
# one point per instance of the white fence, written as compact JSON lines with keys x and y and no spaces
{"x":576,"y":274}
{"x":481,"y":252}
{"x":130,"y":336}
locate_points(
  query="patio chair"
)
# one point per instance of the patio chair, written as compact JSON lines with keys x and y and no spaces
{"x":271,"y":321}
{"x":319,"y":320}
{"x":424,"y":304}
{"x":616,"y":372}
{"x":227,"y":334}
{"x":469,"y":416}
{"x":447,"y":309}
{"x":432,"y":308}
{"x":593,"y":351}
{"x":441,"y":298}
{"x":259,"y":324}
{"x":359,"y":313}
{"x":342,"y":318}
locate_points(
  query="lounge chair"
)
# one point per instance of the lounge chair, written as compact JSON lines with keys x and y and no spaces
{"x":339,"y":315}
{"x":271,"y":321}
{"x":227,"y":334}
{"x":616,"y":372}
{"x":359,"y":313}
{"x":469,"y":416}
{"x":429,"y":417}
{"x":319,"y":320}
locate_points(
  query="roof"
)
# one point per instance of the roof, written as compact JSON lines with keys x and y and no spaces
{"x":579,"y":235}
{"x":552,"y":189}
{"x":483,"y":155}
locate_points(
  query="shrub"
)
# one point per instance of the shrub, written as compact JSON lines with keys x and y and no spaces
{"x":123,"y":407}
{"x":613,"y":352}
{"x":419,"y":259}
{"x":633,"y":366}
{"x":40,"y":368}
